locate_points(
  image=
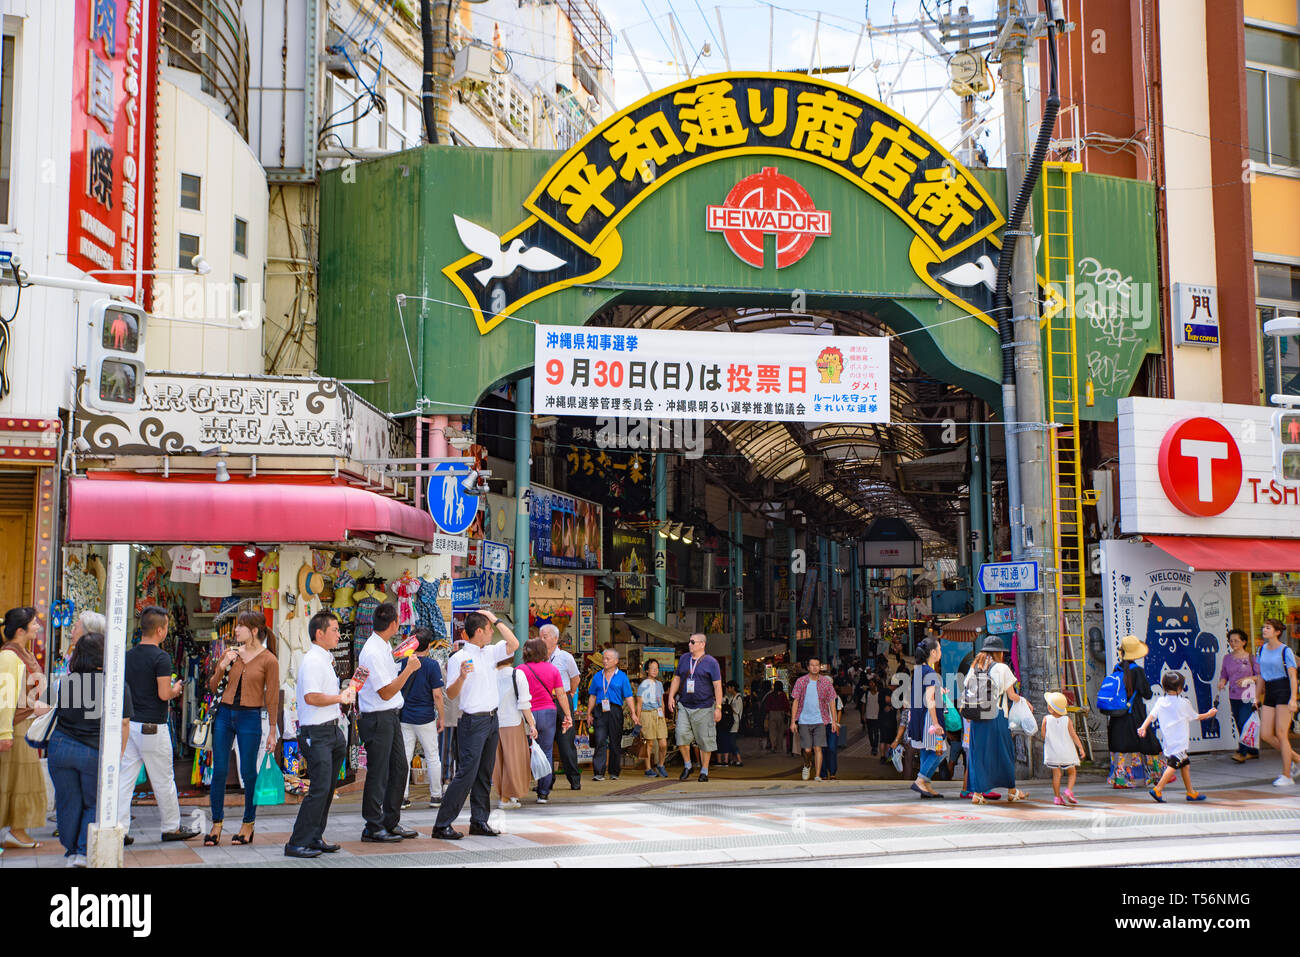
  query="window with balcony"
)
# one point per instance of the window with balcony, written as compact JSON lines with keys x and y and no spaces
{"x":1273,"y":97}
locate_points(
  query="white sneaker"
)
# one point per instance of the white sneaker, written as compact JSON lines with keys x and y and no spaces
{"x":1283,"y":782}
{"x":805,"y":772}
{"x":509,"y":805}
{"x":77,"y":860}
{"x":1295,"y":767}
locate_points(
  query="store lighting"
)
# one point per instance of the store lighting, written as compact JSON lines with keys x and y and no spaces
{"x":223,"y":472}
{"x":675,"y":531}
{"x":688,"y":536}
{"x":663,"y":530}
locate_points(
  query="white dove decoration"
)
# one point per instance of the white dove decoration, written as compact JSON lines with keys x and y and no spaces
{"x":502,"y":262}
{"x":981,"y":270}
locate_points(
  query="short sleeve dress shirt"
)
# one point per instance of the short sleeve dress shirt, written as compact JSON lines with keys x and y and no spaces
{"x":316,"y":676}
{"x":377,"y":655}
{"x":478,"y":694}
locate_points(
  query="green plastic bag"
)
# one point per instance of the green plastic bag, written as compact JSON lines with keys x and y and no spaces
{"x":269,"y":789}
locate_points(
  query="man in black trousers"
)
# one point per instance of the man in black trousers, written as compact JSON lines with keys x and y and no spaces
{"x":380,"y":702}
{"x":321,"y":741}
{"x":472,"y":683}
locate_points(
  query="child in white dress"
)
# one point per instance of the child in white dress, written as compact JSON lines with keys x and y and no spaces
{"x":1061,"y":747}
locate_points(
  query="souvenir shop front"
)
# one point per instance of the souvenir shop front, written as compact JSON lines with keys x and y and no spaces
{"x":284,"y":549}
{"x":1210,"y":502}
{"x":248,"y":494}
{"x":565,"y":554}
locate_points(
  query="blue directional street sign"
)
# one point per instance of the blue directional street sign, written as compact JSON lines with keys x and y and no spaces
{"x":466,"y":594}
{"x":452,"y":509}
{"x":1008,"y":577}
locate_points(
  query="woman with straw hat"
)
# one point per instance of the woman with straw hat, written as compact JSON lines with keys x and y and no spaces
{"x":1134,"y":761}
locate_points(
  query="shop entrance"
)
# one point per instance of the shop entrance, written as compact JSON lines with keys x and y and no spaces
{"x":761,"y":203}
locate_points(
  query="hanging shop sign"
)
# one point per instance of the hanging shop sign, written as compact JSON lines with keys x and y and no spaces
{"x":1000,"y":621}
{"x":564,"y":532}
{"x":1196,"y":315}
{"x":111,"y":178}
{"x":792,"y":378}
{"x":569,"y":233}
{"x":630,"y":559}
{"x":1182,"y":616}
{"x":1202,"y":468}
{"x":492,"y":560}
{"x":249,"y":415}
{"x":586,"y":624}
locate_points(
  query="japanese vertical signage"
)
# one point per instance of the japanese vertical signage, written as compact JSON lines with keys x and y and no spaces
{"x":572,"y":215}
{"x":711,"y":375}
{"x":586,"y":624}
{"x":493,"y":562}
{"x":1196,"y":315}
{"x":114,"y":72}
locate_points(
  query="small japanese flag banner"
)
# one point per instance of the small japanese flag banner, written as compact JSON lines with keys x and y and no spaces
{"x":668,"y":374}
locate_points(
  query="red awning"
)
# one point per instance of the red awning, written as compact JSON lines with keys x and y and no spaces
{"x":154,"y":511}
{"x":1212,"y":554}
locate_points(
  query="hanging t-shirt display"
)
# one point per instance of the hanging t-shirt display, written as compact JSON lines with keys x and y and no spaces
{"x":215,"y":582}
{"x":244,"y":567}
{"x":187,"y":563}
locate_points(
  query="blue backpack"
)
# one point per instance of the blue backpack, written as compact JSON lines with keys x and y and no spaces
{"x":1110,"y":696}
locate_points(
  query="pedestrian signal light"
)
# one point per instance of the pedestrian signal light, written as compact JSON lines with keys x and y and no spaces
{"x":115,"y":368}
{"x":1286,"y":443}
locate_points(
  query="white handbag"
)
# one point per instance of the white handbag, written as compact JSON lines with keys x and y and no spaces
{"x":39,"y":731}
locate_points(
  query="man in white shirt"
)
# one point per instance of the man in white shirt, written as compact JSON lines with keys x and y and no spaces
{"x":472,"y":684}
{"x":568,"y":669}
{"x":321,"y":741}
{"x":380,"y":703}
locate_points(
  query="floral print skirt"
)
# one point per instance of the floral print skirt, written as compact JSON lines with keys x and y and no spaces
{"x":1133,"y":770}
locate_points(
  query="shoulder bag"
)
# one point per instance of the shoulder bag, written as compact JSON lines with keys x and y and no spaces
{"x":201,"y":731}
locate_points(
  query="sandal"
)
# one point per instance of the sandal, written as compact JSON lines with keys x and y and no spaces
{"x":1015,"y":796}
{"x":213,"y":839}
{"x":1239,"y":758}
{"x":978,"y":798}
{"x":241,"y":839}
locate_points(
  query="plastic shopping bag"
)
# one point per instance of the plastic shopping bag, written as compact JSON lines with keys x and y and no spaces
{"x":896,"y":756}
{"x":540,"y":763}
{"x":1250,"y":733}
{"x":1022,"y":717}
{"x":269,"y":789}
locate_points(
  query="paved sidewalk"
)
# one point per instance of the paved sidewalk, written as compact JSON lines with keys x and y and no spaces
{"x":685,"y":823}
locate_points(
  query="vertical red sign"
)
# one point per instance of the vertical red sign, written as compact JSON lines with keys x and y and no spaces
{"x":114,"y":95}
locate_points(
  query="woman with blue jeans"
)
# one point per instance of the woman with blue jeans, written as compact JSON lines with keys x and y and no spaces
{"x":253,"y":683}
{"x":1239,"y":671}
{"x":924,"y":728}
{"x":74,"y":745}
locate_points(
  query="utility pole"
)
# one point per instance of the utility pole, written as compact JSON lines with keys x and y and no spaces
{"x":966,"y":152}
{"x":1038,"y":634}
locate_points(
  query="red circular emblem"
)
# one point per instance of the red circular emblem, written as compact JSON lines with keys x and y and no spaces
{"x":1200,"y":466}
{"x":769,"y":203}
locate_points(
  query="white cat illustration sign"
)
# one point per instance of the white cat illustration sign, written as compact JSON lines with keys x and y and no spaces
{"x":1183,"y":616}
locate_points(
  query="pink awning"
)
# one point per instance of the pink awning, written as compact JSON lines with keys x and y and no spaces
{"x":1211,"y":554}
{"x":153,"y":511}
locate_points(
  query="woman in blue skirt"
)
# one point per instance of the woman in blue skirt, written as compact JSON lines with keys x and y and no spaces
{"x":992,"y":759}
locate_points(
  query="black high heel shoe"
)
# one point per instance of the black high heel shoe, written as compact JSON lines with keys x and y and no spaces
{"x":240,"y":839}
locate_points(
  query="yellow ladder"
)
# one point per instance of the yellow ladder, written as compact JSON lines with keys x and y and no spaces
{"x":1063,"y":407}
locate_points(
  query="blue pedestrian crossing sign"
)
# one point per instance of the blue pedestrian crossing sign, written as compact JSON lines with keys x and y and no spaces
{"x":1008,"y":577}
{"x":452,"y":508}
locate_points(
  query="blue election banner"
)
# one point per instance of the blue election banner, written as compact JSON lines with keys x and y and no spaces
{"x":452,"y":509}
{"x":1009,"y":577}
{"x":465,"y":594}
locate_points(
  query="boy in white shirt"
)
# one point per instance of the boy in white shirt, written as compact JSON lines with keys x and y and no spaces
{"x":1175,"y":714}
